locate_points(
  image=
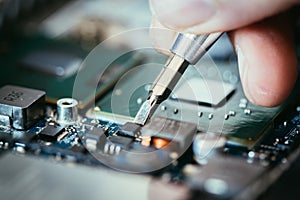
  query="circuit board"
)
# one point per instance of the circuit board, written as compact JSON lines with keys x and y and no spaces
{"x":206,"y":137}
{"x":166,"y":145}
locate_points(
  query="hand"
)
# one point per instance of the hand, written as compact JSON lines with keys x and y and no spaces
{"x":260,"y":30}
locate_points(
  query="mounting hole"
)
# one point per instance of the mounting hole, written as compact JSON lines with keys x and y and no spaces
{"x":67,"y":102}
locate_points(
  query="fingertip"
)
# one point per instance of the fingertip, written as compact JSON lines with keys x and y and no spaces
{"x":162,"y":38}
{"x":267,"y":61}
{"x":206,"y":16}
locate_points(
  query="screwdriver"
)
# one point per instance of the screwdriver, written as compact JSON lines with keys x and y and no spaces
{"x":187,"y":49}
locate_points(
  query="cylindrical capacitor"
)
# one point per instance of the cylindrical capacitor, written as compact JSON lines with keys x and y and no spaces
{"x":67,"y":111}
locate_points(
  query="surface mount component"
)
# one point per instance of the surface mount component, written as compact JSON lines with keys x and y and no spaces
{"x":121,"y":142}
{"x":171,"y":130}
{"x":93,"y":137}
{"x":129,"y":129}
{"x":5,"y":140}
{"x":50,"y":133}
{"x":21,"y":107}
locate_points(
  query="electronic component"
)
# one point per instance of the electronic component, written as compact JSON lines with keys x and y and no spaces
{"x":95,"y":133}
{"x":159,"y":142}
{"x":93,"y":137}
{"x":123,"y":142}
{"x":55,"y":63}
{"x":5,"y":140}
{"x":22,"y":141}
{"x":204,"y":92}
{"x":78,"y":149}
{"x":172,"y":130}
{"x":130,"y":129}
{"x":23,"y":106}
{"x":50,"y":133}
{"x":116,"y":143}
{"x":108,"y":116}
{"x":67,"y":111}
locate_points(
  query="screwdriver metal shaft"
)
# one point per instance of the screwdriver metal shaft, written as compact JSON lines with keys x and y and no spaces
{"x":187,"y":49}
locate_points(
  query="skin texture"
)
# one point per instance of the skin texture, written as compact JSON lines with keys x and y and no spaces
{"x":261,"y":32}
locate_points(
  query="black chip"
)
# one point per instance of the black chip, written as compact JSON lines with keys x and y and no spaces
{"x":129,"y":129}
{"x":5,"y":139}
{"x":95,"y":134}
{"x":50,"y":133}
{"x":24,"y":138}
{"x":123,"y":142}
{"x":94,"y":138}
{"x":78,"y":149}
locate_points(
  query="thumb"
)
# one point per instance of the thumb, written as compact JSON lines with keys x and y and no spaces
{"x":204,"y":16}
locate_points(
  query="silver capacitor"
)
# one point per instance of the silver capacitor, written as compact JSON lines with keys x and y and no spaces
{"x":67,"y":111}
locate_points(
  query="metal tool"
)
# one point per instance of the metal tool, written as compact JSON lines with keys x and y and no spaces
{"x":187,"y":49}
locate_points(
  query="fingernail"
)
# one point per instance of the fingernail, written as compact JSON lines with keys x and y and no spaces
{"x":241,"y":61}
{"x":243,"y":68}
{"x":180,"y":13}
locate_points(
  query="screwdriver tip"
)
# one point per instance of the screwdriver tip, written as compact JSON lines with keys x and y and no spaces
{"x":145,"y":111}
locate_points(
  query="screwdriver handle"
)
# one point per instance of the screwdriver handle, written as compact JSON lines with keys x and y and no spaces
{"x":192,"y":47}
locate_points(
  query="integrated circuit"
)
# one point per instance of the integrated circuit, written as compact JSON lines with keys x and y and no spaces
{"x":204,"y":92}
{"x":51,"y":133}
{"x":5,"y":140}
{"x":92,"y":138}
{"x":129,"y":129}
{"x":118,"y":142}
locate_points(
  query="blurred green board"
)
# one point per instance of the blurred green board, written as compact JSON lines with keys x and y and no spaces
{"x":14,"y":49}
